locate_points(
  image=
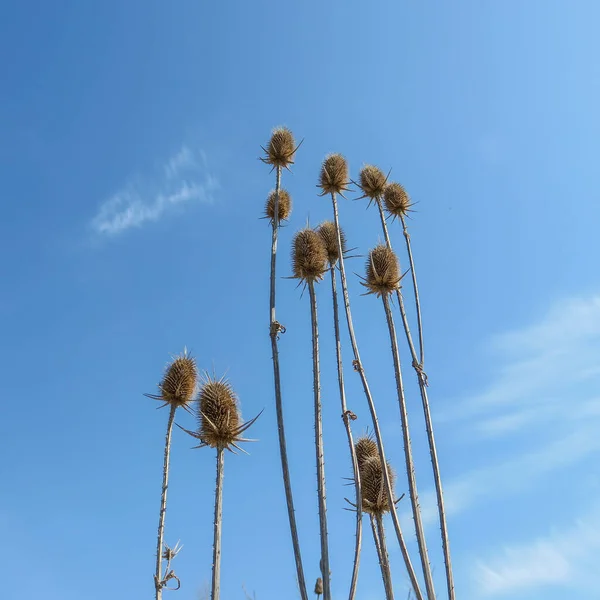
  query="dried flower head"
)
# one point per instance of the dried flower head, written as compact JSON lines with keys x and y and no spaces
{"x":284,"y":208}
{"x":328,"y":234}
{"x":309,"y":257}
{"x":178,"y":384}
{"x":396,"y":199}
{"x":383,"y":271}
{"x":374,"y":495}
{"x":319,"y":586}
{"x":372,"y":182}
{"x":334,"y":178}
{"x":281,"y":148}
{"x":365,"y":448}
{"x":220,"y":421}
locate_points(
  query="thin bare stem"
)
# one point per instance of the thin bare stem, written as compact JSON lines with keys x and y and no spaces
{"x":410,"y":466}
{"x":359,"y":367}
{"x":347,"y":417}
{"x":216,"y":570}
{"x":275,"y":328}
{"x":158,"y":578}
{"x":422,"y":379}
{"x":325,"y":572}
{"x":384,"y":558}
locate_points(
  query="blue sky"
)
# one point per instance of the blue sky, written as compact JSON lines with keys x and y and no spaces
{"x":130,"y":228}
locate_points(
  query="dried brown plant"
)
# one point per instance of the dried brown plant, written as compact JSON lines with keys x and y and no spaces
{"x":372,"y":182}
{"x":309,"y":256}
{"x":284,"y":208}
{"x":328,"y":234}
{"x":382,"y":271}
{"x":334,"y":178}
{"x":281,"y":148}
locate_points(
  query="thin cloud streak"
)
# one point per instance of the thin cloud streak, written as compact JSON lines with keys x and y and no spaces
{"x":182,"y":179}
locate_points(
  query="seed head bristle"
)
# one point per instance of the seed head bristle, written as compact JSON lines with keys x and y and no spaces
{"x":372,"y":181}
{"x":284,"y":208}
{"x":178,"y":384}
{"x":334,"y":177}
{"x":319,"y":586}
{"x":328,"y":234}
{"x":374,"y":495}
{"x":219,"y":413}
{"x":382,"y":271}
{"x":365,"y":448}
{"x":396,"y":199}
{"x":309,"y":257}
{"x":281,"y":148}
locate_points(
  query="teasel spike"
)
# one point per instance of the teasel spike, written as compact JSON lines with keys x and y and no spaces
{"x":372,"y":182}
{"x":359,"y":368}
{"x":281,"y":149}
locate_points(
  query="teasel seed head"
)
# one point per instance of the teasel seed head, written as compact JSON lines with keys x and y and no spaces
{"x":319,"y":586}
{"x":284,"y":208}
{"x":334,"y":178}
{"x":374,"y":495}
{"x":281,"y":148}
{"x":178,"y":384}
{"x":396,"y":200}
{"x":382,"y":271}
{"x":309,"y":257}
{"x":365,"y":448}
{"x":372,"y":182}
{"x":328,"y":234}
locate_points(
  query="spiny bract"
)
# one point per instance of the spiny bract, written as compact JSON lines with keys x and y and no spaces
{"x":281,"y":148}
{"x":372,"y":182}
{"x":309,"y":257}
{"x":334,"y":178}
{"x":284,"y":206}
{"x":374,"y":495}
{"x":382,"y":271}
{"x":328,"y":234}
{"x":396,"y":199}
{"x":179,"y":381}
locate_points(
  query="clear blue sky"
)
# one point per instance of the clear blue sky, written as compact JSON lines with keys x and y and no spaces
{"x":131,"y":197}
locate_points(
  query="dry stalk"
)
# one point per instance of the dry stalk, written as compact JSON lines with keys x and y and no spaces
{"x":384,"y":559}
{"x":216,"y":571}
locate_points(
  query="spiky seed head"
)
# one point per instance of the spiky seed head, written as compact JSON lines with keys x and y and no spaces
{"x":372,"y":181}
{"x":383,"y":271}
{"x":178,"y":384}
{"x":284,"y":208}
{"x":319,"y":586}
{"x":396,"y":199}
{"x":219,"y":413}
{"x":281,"y":148}
{"x":309,"y":257}
{"x":374,"y":495}
{"x":328,"y":234}
{"x":334,"y":177}
{"x":365,"y":448}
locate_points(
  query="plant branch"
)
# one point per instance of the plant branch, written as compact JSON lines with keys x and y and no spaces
{"x":216,"y":570}
{"x":384,"y":558}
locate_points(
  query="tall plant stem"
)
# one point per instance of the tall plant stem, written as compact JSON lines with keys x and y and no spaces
{"x":359,"y":367}
{"x":216,"y":570}
{"x":158,"y":577}
{"x":384,"y":559}
{"x":319,"y":445}
{"x":422,"y":379}
{"x":274,"y":329}
{"x":410,"y":466}
{"x":346,"y":417}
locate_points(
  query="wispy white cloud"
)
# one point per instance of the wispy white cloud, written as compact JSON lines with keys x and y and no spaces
{"x":559,"y":558}
{"x":182,"y":179}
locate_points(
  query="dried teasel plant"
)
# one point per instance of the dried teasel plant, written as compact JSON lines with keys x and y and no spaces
{"x":372,"y":181}
{"x":358,"y":366}
{"x":284,"y":207}
{"x":329,"y":237}
{"x":334,"y":177}
{"x":220,"y":426}
{"x":382,"y":278}
{"x":319,"y":587}
{"x":309,"y":263}
{"x":397,"y":203}
{"x":279,"y":153}
{"x":176,"y":390}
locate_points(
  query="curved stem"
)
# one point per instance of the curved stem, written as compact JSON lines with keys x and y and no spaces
{"x":158,"y":578}
{"x":325,"y":572}
{"x":410,"y":466}
{"x":422,"y":379}
{"x":385,"y":559}
{"x":346,"y":418}
{"x":216,"y":570}
{"x":274,"y":330}
{"x":358,"y":367}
